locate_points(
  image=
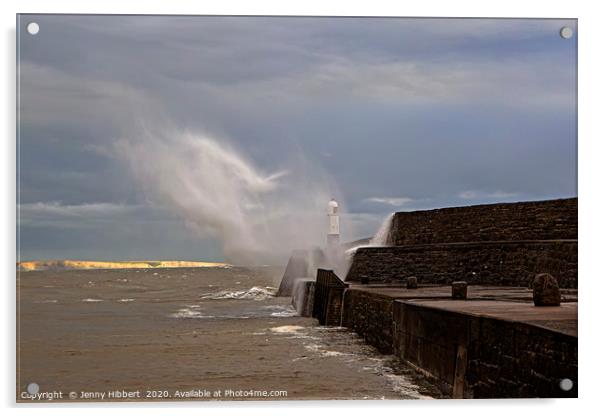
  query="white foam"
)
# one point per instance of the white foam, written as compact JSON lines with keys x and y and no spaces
{"x":92,"y":300}
{"x":126,"y":300}
{"x":282,"y":311}
{"x":320,"y":350}
{"x":287,"y":329}
{"x":255,"y":293}
{"x":284,"y":314}
{"x":189,"y":313}
{"x":333,"y":353}
{"x":402,"y":385}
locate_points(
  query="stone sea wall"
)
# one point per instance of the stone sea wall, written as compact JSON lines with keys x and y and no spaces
{"x":537,"y":220}
{"x":480,"y":357}
{"x":467,"y":355}
{"x":370,"y":316}
{"x":516,"y":360}
{"x":509,"y":263}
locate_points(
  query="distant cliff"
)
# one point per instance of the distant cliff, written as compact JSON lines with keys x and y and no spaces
{"x":84,"y":264}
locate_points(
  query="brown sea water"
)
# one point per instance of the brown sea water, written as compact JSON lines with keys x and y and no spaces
{"x":177,"y":334}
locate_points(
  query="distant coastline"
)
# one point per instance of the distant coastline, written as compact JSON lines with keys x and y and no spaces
{"x":87,"y":264}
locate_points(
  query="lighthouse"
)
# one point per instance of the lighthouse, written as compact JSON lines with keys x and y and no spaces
{"x":332,"y":239}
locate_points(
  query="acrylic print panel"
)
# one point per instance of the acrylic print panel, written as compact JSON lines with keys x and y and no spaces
{"x":286,"y":208}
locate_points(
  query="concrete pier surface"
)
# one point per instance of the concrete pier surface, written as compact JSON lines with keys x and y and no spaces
{"x":521,"y":294}
{"x":561,"y":318}
{"x":368,"y":309}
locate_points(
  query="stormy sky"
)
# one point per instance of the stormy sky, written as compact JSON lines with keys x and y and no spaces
{"x":400,"y":114}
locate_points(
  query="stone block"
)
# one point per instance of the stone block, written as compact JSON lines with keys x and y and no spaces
{"x":459,"y":290}
{"x":545,"y":290}
{"x":412,"y":282}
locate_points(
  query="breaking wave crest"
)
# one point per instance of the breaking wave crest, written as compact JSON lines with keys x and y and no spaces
{"x":281,"y":311}
{"x":255,"y":293}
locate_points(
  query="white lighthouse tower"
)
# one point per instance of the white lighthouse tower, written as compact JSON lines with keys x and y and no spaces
{"x":332,"y":239}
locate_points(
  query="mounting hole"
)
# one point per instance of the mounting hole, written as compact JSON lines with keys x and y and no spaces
{"x":33,"y":388}
{"x":33,"y":28}
{"x":566,"y":384}
{"x":566,"y":32}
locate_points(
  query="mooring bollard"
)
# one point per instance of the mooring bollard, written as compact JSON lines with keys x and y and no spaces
{"x":545,"y":290}
{"x":459,"y":290}
{"x":412,"y":282}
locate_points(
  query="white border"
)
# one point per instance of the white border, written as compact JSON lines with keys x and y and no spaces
{"x":589,"y":197}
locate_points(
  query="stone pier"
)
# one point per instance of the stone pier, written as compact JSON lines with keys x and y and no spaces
{"x":491,"y":341}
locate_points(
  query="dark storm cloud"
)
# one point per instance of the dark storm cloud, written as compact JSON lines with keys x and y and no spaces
{"x":403,"y":113}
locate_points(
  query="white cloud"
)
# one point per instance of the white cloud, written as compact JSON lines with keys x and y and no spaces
{"x":54,"y":213}
{"x":470,"y":194}
{"x":501,"y":194}
{"x":396,"y":202}
{"x":93,"y":209}
{"x":51,"y":96}
{"x":512,"y":81}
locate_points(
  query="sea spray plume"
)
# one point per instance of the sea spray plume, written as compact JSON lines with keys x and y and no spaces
{"x":258,"y":216}
{"x":381,"y":238}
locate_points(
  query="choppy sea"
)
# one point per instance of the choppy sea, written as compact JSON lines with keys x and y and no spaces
{"x":189,"y":330}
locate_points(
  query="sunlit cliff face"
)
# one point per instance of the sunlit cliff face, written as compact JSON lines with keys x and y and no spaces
{"x":259,"y":216}
{"x":82,"y":264}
